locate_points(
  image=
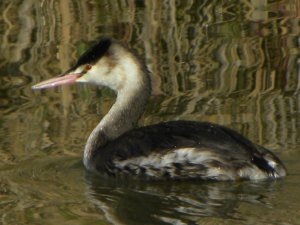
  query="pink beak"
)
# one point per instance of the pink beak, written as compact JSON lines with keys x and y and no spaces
{"x":57,"y":81}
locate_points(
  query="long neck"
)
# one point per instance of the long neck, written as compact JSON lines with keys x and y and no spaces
{"x":124,"y":114}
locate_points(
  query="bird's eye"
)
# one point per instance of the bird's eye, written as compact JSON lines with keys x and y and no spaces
{"x":88,"y":67}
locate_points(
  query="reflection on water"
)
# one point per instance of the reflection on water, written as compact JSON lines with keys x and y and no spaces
{"x":135,"y":202}
{"x":230,"y":62}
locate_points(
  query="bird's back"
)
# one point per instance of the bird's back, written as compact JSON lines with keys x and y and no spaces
{"x":185,"y":150}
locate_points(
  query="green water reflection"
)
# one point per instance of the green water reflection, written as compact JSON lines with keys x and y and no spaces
{"x":230,"y":62}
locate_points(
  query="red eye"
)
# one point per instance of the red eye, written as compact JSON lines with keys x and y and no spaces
{"x":88,"y":67}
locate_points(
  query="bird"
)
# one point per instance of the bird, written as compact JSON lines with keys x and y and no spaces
{"x":175,"y":150}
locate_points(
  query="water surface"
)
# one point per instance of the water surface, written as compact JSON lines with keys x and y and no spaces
{"x":235,"y":63}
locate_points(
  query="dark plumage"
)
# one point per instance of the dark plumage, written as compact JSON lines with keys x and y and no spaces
{"x":94,"y":53}
{"x":234,"y":151}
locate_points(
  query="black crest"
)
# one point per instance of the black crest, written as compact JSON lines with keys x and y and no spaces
{"x":95,"y":52}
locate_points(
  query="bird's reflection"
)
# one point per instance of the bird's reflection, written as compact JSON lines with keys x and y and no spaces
{"x":172,"y":202}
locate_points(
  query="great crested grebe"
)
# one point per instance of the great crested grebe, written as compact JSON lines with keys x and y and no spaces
{"x":174,"y":149}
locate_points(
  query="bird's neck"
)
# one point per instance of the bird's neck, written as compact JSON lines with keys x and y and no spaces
{"x":123,"y":115}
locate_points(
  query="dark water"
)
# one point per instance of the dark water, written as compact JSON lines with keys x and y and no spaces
{"x":235,"y":63}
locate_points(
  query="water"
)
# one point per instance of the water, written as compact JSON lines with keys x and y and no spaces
{"x":230,"y":62}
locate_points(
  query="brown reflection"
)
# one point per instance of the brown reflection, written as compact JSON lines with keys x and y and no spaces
{"x":216,"y":62}
{"x":234,"y":64}
{"x":231,"y":62}
{"x":137,"y":202}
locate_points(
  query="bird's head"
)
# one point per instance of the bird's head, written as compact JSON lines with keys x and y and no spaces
{"x":102,"y":64}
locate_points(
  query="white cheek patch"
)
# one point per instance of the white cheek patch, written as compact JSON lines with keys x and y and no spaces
{"x":115,"y":75}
